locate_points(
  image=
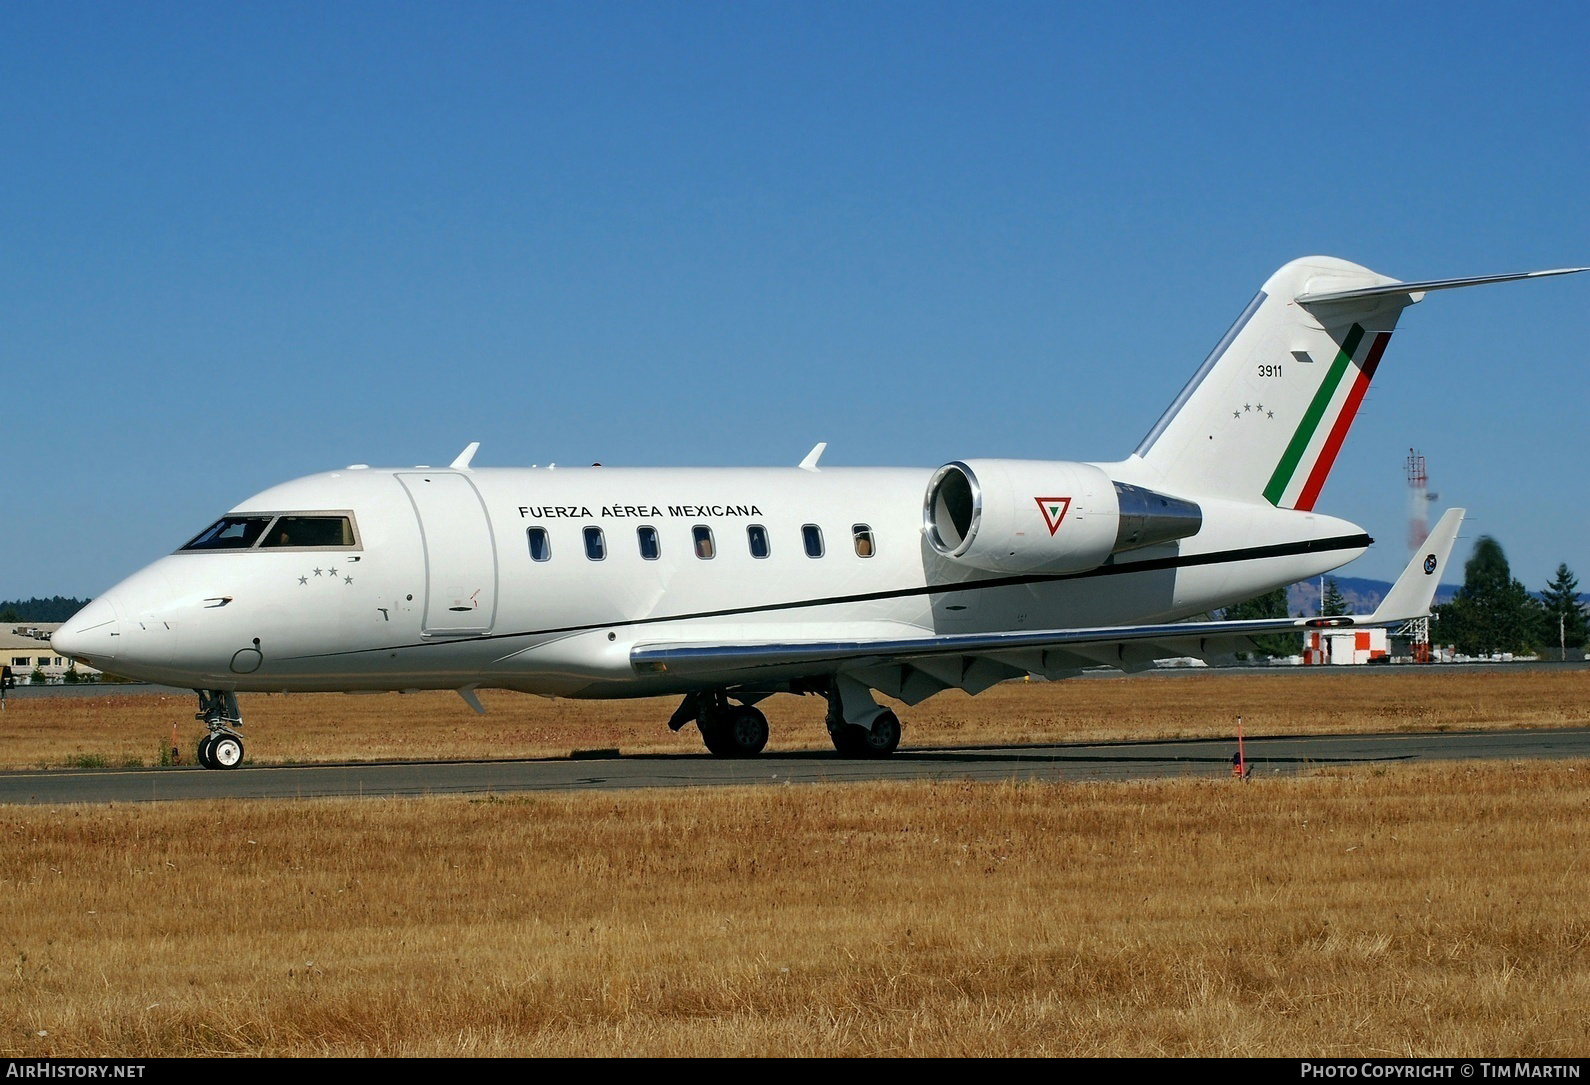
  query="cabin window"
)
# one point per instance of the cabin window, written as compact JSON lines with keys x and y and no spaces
{"x":863,"y":537}
{"x":595,"y":544}
{"x":756,"y":535}
{"x":812,"y":536}
{"x":540,"y":544}
{"x":705,"y":547}
{"x":650,"y":545}
{"x":310,"y":531}
{"x":230,"y":533}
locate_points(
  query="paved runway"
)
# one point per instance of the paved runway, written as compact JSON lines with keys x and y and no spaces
{"x":1111,"y":761}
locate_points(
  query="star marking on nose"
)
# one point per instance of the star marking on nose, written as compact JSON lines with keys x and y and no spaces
{"x":1246,"y":407}
{"x":332,"y":572}
{"x":317,"y":572}
{"x":303,"y":580}
{"x":1236,"y":414}
{"x":347,"y":580}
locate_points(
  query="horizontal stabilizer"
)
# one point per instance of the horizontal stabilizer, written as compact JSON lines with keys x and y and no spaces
{"x":1391,"y":289}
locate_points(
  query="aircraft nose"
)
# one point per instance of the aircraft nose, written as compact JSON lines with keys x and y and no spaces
{"x":93,"y":633}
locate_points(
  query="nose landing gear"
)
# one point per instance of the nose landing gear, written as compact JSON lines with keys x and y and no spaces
{"x":222,"y":748}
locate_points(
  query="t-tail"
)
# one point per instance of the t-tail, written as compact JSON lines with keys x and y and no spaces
{"x":1266,"y":414}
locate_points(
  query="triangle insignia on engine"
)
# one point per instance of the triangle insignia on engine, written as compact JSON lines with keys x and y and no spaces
{"x":1054,"y":511}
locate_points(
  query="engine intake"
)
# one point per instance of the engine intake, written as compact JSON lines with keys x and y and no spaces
{"x":1045,"y":516}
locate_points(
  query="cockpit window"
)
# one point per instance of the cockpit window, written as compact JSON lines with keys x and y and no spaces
{"x":289,"y":530}
{"x":230,"y":533}
{"x":317,"y":531}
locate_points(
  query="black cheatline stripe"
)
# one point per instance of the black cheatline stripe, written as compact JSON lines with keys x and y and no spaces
{"x":1253,"y":553}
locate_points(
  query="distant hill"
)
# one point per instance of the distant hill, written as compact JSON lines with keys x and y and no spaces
{"x":1362,"y":595}
{"x":54,"y":609}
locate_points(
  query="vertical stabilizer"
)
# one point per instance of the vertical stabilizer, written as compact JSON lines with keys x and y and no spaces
{"x":1266,"y":414}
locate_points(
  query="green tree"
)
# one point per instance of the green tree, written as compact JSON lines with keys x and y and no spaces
{"x":9,"y":615}
{"x":54,"y":609}
{"x":1271,"y":604}
{"x":1335,"y":602}
{"x":1492,"y":613}
{"x":1562,"y":619}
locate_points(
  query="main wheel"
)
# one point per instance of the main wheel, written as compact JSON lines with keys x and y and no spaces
{"x":881,"y":740}
{"x":204,"y":751}
{"x":847,"y":739}
{"x":226,"y":752}
{"x":738,"y":732}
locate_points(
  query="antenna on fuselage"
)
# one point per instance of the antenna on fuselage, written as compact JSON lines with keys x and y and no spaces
{"x":462,"y":462}
{"x":810,"y":462}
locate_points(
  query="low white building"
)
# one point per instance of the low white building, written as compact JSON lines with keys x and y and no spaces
{"x":26,"y":650}
{"x":1339,"y":646}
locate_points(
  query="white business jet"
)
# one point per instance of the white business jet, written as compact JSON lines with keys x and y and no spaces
{"x":725,"y":586}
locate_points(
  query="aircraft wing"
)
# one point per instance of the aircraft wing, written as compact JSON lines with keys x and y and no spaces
{"x":906,"y":666}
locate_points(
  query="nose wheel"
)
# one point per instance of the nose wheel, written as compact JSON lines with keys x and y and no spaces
{"x":222,"y":748}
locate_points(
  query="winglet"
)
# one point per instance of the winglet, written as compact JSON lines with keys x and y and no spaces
{"x":810,"y":462}
{"x":1414,"y":591}
{"x":462,"y":462}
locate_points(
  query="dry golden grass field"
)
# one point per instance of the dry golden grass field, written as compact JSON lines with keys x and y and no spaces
{"x":1407,"y":910}
{"x":1435,"y":910}
{"x":132,"y":728}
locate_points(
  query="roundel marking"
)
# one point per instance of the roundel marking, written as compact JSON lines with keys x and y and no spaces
{"x":1429,"y":564}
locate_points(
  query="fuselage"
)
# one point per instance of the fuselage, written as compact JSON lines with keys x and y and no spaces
{"x":543,"y":579}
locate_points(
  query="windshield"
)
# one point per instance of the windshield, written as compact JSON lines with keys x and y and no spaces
{"x":269,"y":530}
{"x":310,"y":531}
{"x":230,"y":533}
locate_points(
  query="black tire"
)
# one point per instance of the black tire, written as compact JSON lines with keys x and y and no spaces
{"x":715,"y":733}
{"x":847,"y":739}
{"x":884,"y":738}
{"x":226,"y":752}
{"x":738,"y":732}
{"x":881,"y":740}
{"x":750,"y":731}
{"x":204,"y":751}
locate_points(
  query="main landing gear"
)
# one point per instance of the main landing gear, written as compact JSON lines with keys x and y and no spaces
{"x":222,"y":747}
{"x":858,"y":725}
{"x":729,"y":730}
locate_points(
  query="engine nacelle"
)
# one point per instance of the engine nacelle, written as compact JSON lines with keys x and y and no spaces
{"x":1050,"y":516}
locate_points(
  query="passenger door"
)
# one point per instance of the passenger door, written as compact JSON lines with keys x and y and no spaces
{"x":460,"y":554}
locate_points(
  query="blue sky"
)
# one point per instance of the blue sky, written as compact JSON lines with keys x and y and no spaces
{"x":241,"y":243}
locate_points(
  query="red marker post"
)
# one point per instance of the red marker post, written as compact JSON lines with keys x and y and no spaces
{"x":1239,"y":763}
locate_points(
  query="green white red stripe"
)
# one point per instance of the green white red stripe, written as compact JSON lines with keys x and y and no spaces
{"x":1315,"y":442}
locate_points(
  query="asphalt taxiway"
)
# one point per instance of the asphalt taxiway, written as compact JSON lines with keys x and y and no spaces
{"x":1101,"y":761}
